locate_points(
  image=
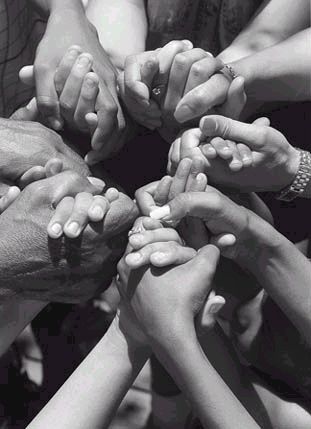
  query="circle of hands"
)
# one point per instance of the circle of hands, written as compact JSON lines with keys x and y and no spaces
{"x":173,"y":249}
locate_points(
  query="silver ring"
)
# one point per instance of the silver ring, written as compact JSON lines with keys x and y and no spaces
{"x":158,"y":91}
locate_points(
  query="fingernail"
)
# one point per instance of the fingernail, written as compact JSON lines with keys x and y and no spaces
{"x":73,"y":228}
{"x":84,"y":60}
{"x":160,"y":212}
{"x":97,"y":212}
{"x":188,"y":44}
{"x":214,"y":308}
{"x":56,"y":228}
{"x":55,"y":124}
{"x":183,"y":113}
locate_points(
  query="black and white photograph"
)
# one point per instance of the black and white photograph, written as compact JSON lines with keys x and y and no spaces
{"x":155,"y":211}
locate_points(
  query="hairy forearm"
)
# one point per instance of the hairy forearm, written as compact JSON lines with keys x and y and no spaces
{"x":95,"y":390}
{"x":274,"y":75}
{"x":282,"y":270}
{"x":200,"y":382}
{"x":121,"y":27}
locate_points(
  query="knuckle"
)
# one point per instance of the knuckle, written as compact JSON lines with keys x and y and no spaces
{"x":41,"y":68}
{"x":181,"y":61}
{"x":65,"y":105}
{"x":197,"y":69}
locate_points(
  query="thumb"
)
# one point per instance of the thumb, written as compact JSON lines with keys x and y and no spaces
{"x":229,"y":129}
{"x":27,"y":113}
{"x":236,"y":99}
{"x":203,"y":266}
{"x":27,"y":76}
{"x":206,"y":319}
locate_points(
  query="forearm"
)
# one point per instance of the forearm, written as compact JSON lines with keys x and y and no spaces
{"x":15,"y":315}
{"x":94,"y":391}
{"x":271,"y":24}
{"x":200,"y":382}
{"x":282,"y":270}
{"x":121,"y":26}
{"x":45,"y":7}
{"x":274,"y":75}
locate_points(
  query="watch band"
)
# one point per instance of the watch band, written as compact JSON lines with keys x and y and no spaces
{"x":301,"y":181}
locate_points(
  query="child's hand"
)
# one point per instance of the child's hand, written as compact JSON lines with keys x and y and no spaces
{"x":188,"y":177}
{"x":72,"y":214}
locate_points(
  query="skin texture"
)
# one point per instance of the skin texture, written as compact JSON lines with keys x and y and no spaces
{"x":32,"y":265}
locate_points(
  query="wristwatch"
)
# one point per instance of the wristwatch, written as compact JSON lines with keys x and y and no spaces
{"x":302,"y":179}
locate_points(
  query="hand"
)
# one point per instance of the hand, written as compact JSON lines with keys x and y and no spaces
{"x":65,"y":270}
{"x":229,"y":224}
{"x":274,"y":161}
{"x":188,"y":177}
{"x":24,"y":145}
{"x":75,"y":29}
{"x":166,"y":300}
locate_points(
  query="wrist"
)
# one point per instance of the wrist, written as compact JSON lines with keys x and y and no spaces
{"x":56,"y":5}
{"x":291,"y":167}
{"x":260,"y":241}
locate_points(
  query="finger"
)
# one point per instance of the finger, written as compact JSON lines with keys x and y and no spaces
{"x":250,"y":134}
{"x":144,"y":197}
{"x":203,"y":205}
{"x":27,"y":113}
{"x":209,"y":151}
{"x":60,"y":216}
{"x":201,"y":71}
{"x":178,"y":75}
{"x":236,"y":163}
{"x":202,"y":98}
{"x":98,"y":208}
{"x":32,"y":175}
{"x":222,"y":148}
{"x":264,"y":122}
{"x":190,"y":141}
{"x":70,"y":95}
{"x":87,"y":101}
{"x":46,"y":96}
{"x":160,"y":255}
{"x":174,"y":156}
{"x":133,"y":85}
{"x":161,"y":194}
{"x":92,"y":121}
{"x":223,"y":241}
{"x":180,"y":179}
{"x":166,"y":57}
{"x":207,"y":317}
{"x":137,"y":241}
{"x":107,"y":110}
{"x":27,"y":75}
{"x":97,"y":183}
{"x":112,"y":194}
{"x":245,"y":154}
{"x":203,"y":265}
{"x":148,"y":70}
{"x":197,"y":167}
{"x":199,"y":184}
{"x":79,"y":216}
{"x":64,"y":68}
{"x":53,"y":167}
{"x":11,"y":195}
{"x":236,"y":99}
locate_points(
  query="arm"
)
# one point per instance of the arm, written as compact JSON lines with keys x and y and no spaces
{"x":90,"y":397}
{"x":15,"y":314}
{"x":121,"y":27}
{"x":272,"y":74}
{"x":207,"y":394}
{"x":46,"y":7}
{"x":273,"y":22}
